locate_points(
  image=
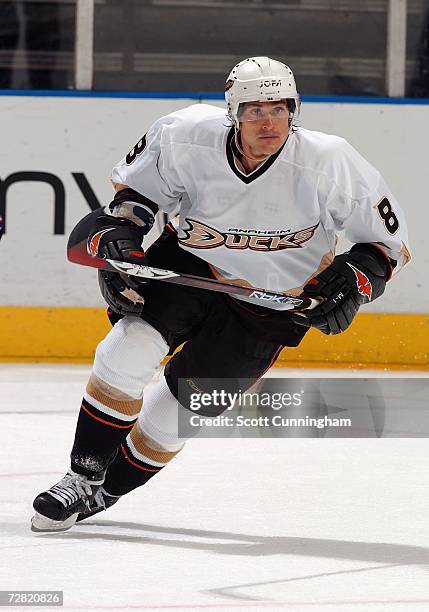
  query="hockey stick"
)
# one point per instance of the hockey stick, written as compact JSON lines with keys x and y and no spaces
{"x":77,"y":253}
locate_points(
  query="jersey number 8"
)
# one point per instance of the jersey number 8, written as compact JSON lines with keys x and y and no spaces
{"x":390,"y":220}
{"x":135,"y":151}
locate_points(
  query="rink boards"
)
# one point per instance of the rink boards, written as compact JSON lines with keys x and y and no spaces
{"x":55,"y":165}
{"x":376,"y":340}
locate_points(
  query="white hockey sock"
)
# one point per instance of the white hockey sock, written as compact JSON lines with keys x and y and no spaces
{"x":159,"y":416}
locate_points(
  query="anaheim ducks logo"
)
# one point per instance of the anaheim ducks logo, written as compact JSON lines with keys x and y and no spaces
{"x":201,"y":236}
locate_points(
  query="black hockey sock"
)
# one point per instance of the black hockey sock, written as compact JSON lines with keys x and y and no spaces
{"x":135,"y":464}
{"x":127,"y":473}
{"x":102,"y":425}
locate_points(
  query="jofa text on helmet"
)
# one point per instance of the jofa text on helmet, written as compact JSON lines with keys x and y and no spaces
{"x":270,"y":83}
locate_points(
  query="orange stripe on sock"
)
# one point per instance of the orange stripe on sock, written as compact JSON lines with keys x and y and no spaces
{"x":142,"y":445}
{"x":129,"y":407}
{"x":136,"y":464}
{"x":105,"y":422}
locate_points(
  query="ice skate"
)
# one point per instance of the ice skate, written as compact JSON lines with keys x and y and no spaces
{"x":102,"y":501}
{"x":58,"y":508}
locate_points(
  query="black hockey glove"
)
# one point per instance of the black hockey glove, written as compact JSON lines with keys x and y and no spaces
{"x":120,"y":238}
{"x":116,"y":238}
{"x":123,"y":295}
{"x":352,"y":279}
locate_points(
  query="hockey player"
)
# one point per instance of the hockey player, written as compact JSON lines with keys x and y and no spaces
{"x":262,"y":203}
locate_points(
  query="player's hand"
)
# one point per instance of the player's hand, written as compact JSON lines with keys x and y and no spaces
{"x":352,"y":279}
{"x":119,"y":239}
{"x":116,"y":238}
{"x":124,"y":295}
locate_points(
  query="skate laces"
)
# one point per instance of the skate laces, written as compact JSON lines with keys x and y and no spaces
{"x":99,"y":500}
{"x":72,"y":488}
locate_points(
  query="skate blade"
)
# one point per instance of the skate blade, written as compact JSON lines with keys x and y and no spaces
{"x":43,"y":524}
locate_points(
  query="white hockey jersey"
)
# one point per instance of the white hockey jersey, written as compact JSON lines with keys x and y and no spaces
{"x":276,"y":227}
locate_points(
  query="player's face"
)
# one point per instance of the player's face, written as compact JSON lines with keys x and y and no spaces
{"x":264,"y":127}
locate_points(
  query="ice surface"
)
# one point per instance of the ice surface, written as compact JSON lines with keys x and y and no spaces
{"x":240,"y":524}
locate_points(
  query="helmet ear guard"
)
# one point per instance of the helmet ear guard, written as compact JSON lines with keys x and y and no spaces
{"x":260,"y":79}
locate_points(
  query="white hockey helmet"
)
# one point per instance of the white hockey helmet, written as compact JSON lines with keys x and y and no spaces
{"x":259,"y":79}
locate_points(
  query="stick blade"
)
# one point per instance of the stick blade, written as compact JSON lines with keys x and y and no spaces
{"x":76,"y":246}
